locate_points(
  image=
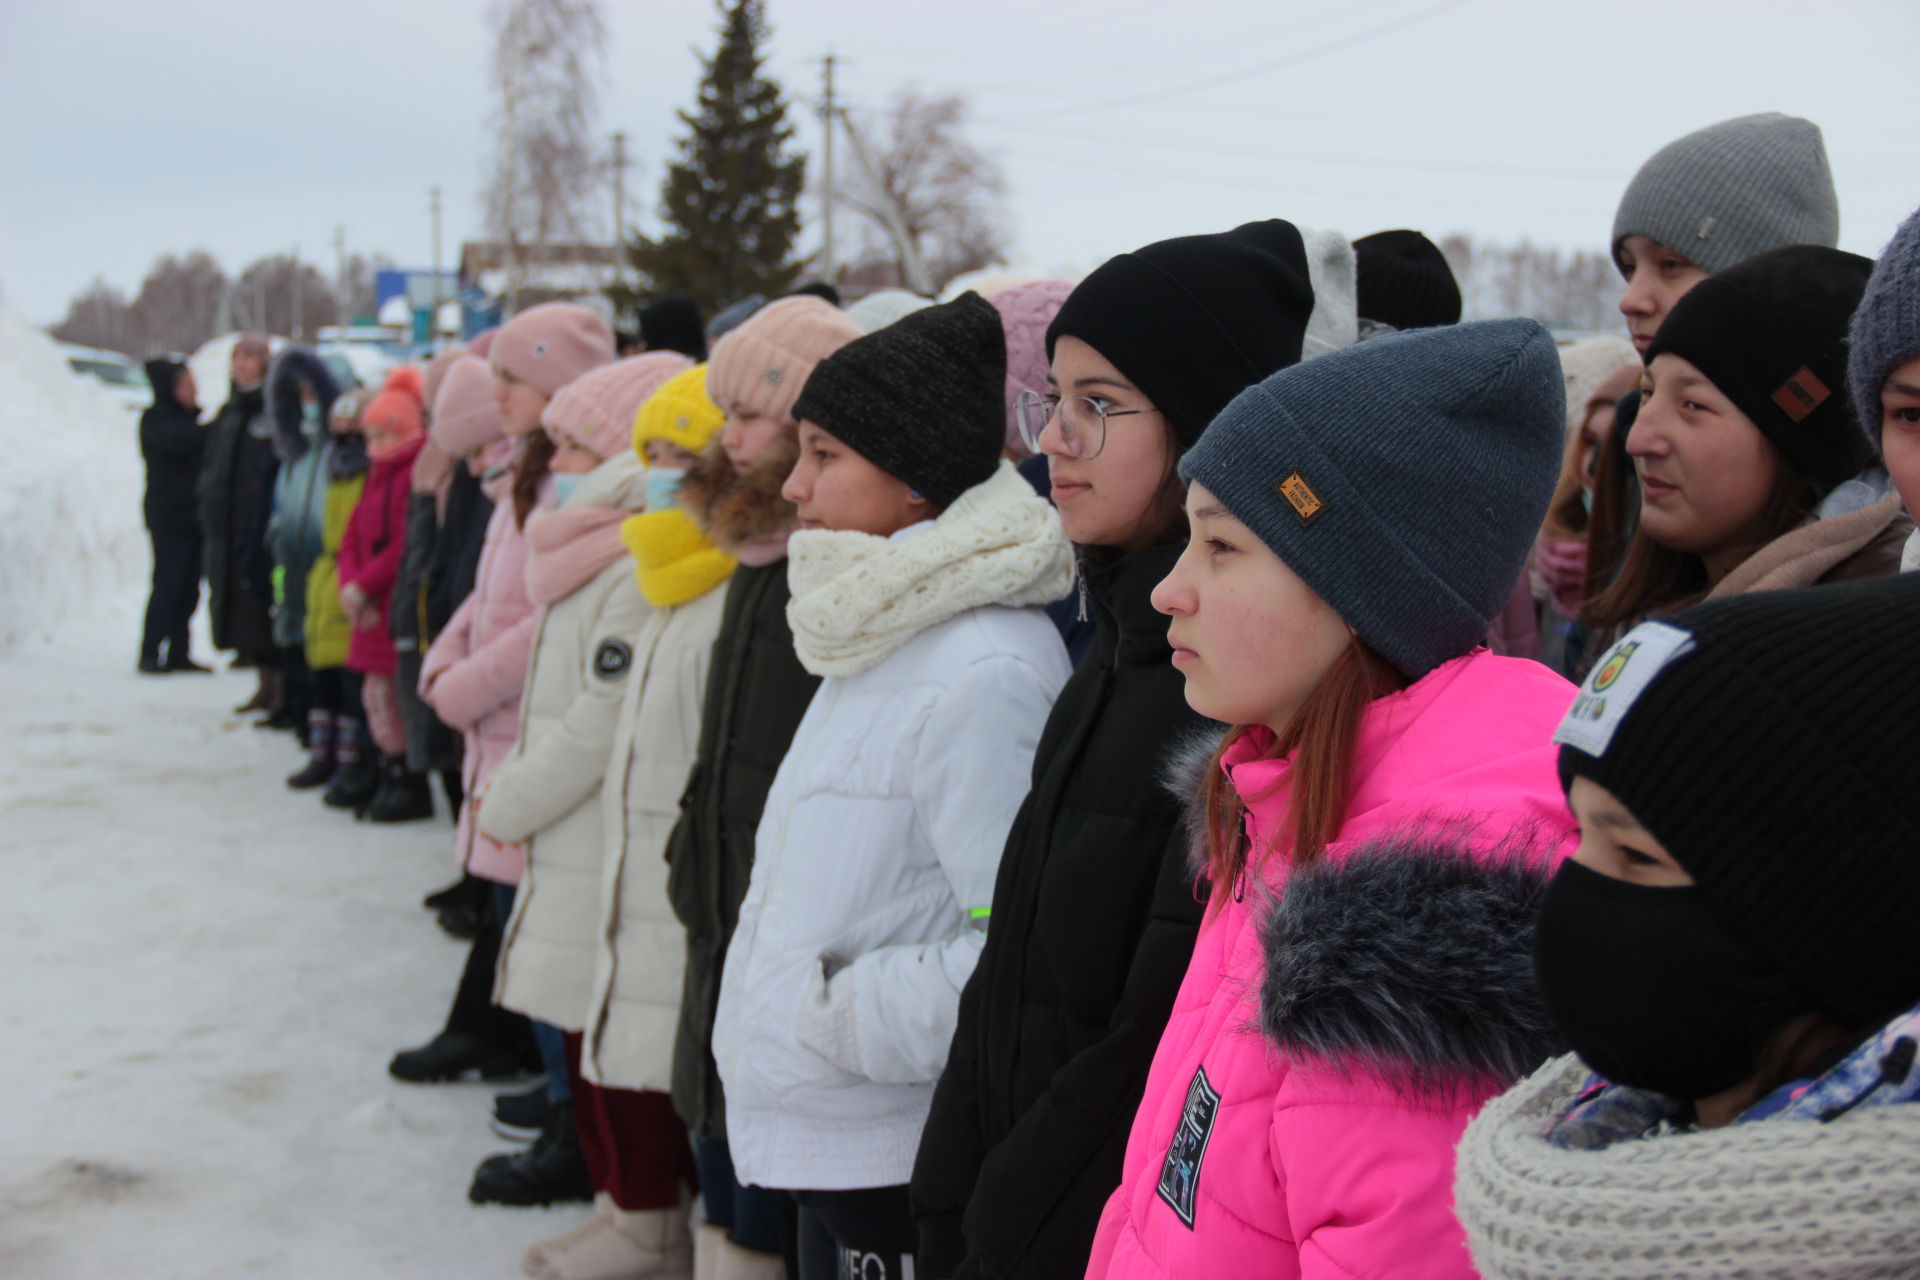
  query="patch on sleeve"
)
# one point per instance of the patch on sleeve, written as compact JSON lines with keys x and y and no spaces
{"x":1180,"y":1174}
{"x":1616,"y":682}
{"x":612,"y":658}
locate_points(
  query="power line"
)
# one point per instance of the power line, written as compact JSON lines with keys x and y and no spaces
{"x":1266,"y":68}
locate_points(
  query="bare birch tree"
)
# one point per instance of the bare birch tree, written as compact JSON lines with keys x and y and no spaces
{"x":549,"y":64}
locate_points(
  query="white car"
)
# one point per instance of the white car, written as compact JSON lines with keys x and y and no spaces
{"x":123,"y":378}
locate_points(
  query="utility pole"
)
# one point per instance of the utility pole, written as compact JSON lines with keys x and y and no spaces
{"x":619,"y":200}
{"x":433,"y":323}
{"x":294,"y":327}
{"x":826,"y":187}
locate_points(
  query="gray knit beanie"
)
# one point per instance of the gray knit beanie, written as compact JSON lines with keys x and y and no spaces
{"x":1886,"y":328}
{"x":1724,"y":193}
{"x":1402,"y":479}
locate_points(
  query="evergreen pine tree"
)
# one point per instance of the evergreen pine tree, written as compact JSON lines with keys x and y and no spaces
{"x":730,"y":199}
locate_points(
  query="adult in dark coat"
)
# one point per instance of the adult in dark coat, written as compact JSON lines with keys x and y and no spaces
{"x":236,"y":499}
{"x":170,"y":442}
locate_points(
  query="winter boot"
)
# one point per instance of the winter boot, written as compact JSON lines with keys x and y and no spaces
{"x":534,"y":1261}
{"x":356,"y":777}
{"x":469,"y":888}
{"x":265,"y":697}
{"x":718,"y":1258}
{"x":646,"y":1244}
{"x":550,"y":1171}
{"x":320,"y":762}
{"x":522,"y":1117}
{"x":403,"y":794}
{"x":452,"y":1055}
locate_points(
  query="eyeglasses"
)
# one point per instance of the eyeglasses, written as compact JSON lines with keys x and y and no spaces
{"x":1083,"y":421}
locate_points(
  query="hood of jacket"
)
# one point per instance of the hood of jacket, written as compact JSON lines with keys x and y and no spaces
{"x":858,"y":597}
{"x":1861,"y":542}
{"x":163,"y":374}
{"x":292,"y":369}
{"x":743,"y":514}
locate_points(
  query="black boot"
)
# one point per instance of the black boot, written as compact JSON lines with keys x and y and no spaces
{"x":522,"y":1117}
{"x":469,"y":890}
{"x":403,"y":794}
{"x":357,"y":776}
{"x":454,"y":1055}
{"x":320,"y":762}
{"x":551,"y":1170}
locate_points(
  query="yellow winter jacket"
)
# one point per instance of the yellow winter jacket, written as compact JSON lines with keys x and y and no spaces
{"x":328,"y":631}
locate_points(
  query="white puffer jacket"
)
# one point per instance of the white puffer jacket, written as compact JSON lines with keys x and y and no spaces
{"x":876,"y":855}
{"x":547,"y":792}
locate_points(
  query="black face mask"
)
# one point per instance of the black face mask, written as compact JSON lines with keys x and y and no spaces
{"x":1650,"y":990}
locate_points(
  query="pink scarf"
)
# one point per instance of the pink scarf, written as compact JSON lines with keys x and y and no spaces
{"x":568,"y":546}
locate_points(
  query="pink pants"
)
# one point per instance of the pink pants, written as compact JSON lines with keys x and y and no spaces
{"x":381,"y":701}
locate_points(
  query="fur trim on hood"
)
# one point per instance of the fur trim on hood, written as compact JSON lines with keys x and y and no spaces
{"x":1181,"y":774}
{"x":291,"y":369}
{"x":735,"y":510}
{"x":1411,"y":958}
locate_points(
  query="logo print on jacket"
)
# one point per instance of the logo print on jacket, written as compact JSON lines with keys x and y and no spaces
{"x":611,"y":659}
{"x":1180,"y":1175}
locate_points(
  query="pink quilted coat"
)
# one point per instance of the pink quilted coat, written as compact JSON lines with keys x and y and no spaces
{"x":1338,"y":1027}
{"x":473,"y":676}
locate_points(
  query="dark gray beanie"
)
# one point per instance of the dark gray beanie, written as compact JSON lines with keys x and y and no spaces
{"x":1402,"y":479}
{"x":1729,"y":191}
{"x":922,"y":399}
{"x":1886,"y":328}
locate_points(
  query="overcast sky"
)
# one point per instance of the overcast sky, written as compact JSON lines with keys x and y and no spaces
{"x":128,"y":129}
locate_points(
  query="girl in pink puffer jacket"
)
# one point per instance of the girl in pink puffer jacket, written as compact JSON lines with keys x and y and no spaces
{"x":1375,"y":830}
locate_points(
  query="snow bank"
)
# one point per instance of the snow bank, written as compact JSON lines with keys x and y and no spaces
{"x":74,"y":559}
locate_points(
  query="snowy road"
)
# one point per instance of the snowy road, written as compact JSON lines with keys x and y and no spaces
{"x":204,"y":976}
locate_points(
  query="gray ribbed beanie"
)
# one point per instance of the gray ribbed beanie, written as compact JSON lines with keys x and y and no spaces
{"x":1402,"y":479}
{"x":1724,"y":193}
{"x":1886,"y":328}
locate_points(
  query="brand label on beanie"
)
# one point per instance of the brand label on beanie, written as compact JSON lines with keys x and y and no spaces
{"x":1616,"y":682}
{"x":1801,"y":394}
{"x":1300,"y":496}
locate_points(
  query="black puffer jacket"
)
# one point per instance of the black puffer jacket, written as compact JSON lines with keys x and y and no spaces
{"x":757,"y":691}
{"x":1093,"y":922}
{"x":170,"y":442}
{"x":236,"y":497}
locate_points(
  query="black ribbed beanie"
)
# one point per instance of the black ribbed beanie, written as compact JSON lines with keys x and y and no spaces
{"x":1402,"y":279}
{"x":1766,"y":741}
{"x":674,"y":324}
{"x":922,"y":399}
{"x":1771,"y":335}
{"x":1196,"y":320}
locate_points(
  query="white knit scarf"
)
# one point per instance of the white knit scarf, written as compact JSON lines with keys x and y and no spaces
{"x":1776,"y":1200}
{"x":858,"y":597}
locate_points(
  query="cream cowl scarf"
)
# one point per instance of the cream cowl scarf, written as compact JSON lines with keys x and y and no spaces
{"x":1777,"y":1200}
{"x":858,"y":597}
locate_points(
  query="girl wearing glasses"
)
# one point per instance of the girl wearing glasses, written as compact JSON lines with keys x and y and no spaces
{"x":1093,"y":912}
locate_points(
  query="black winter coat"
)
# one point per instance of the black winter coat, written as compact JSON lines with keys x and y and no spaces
{"x":236,"y":500}
{"x":1094,"y":917}
{"x":170,"y":441}
{"x":455,"y":560}
{"x":757,"y":691}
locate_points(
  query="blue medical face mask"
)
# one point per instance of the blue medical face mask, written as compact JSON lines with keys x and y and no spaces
{"x":663,"y":487}
{"x":310,"y":412}
{"x":563,"y":486}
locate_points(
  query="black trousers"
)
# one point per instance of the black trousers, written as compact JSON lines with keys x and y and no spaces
{"x":473,"y":1008}
{"x":174,"y":596}
{"x":864,"y":1234}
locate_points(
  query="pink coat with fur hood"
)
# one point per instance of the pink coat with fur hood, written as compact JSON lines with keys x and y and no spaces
{"x":474,"y":674}
{"x":1339,"y":1025}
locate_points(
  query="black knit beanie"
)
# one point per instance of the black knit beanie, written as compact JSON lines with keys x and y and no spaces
{"x":1766,"y":741}
{"x":1194,"y":321}
{"x":673,"y":324}
{"x":1404,"y":281}
{"x":1771,"y":334}
{"x":922,"y":399}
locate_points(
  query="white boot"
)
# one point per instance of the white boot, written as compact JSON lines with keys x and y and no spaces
{"x":534,"y":1261}
{"x":707,"y":1242}
{"x":735,"y":1263}
{"x":650,"y":1244}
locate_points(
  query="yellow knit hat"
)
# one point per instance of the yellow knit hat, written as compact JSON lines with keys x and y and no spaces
{"x":680,"y":412}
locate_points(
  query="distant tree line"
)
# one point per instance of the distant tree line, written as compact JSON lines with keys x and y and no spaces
{"x":1567,"y":290}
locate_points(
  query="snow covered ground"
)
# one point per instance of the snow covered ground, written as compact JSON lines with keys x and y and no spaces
{"x":204,"y":973}
{"x":205,"y":976}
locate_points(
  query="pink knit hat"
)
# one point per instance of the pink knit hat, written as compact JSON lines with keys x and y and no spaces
{"x":436,"y":373}
{"x":763,"y":364}
{"x":598,"y":408}
{"x":465,"y":415}
{"x":1025,"y":312}
{"x":550,"y":345}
